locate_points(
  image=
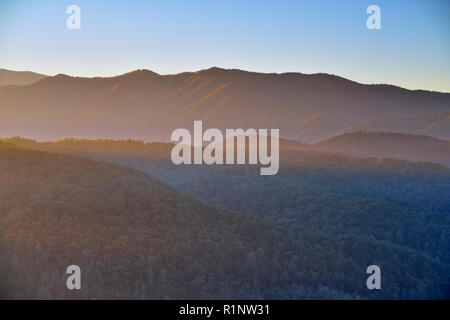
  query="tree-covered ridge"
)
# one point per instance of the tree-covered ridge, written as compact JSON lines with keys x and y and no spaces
{"x":101,"y":146}
{"x":357,"y":143}
{"x":327,"y":218}
{"x":388,"y":144}
{"x":433,"y":124}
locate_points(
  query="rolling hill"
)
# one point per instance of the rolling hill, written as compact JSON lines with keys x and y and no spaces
{"x":148,"y":106}
{"x":389,"y":145}
{"x":435,"y":125}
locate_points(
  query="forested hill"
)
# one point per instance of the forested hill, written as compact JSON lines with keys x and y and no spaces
{"x":389,"y":145}
{"x":358,"y":143}
{"x":433,"y":124}
{"x":132,"y":236}
{"x":135,"y":237}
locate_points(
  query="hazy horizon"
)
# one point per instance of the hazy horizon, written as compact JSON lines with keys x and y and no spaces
{"x":410,"y":50}
{"x":218,"y":67}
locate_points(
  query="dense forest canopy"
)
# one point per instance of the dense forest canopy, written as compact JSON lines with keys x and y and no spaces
{"x":309,"y":232}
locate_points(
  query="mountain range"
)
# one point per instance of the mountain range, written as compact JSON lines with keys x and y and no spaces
{"x":145,"y":105}
{"x":346,"y":196}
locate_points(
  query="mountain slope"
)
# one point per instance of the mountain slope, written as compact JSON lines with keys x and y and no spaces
{"x":389,"y":145}
{"x":434,"y":125}
{"x":135,"y":237}
{"x":132,"y":236}
{"x":18,"y":78}
{"x":307,"y":179}
{"x":145,"y":105}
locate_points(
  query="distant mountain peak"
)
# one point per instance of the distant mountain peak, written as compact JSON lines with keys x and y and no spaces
{"x":63,"y":75}
{"x":224,"y":71}
{"x":217,"y":70}
{"x":140,"y":73}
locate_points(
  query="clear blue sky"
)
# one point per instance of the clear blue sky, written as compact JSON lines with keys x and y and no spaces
{"x":411,"y":50}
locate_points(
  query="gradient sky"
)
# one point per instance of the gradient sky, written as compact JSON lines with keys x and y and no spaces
{"x":411,"y":50}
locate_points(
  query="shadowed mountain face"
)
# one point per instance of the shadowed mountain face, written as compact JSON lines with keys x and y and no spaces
{"x":18,"y":78}
{"x":148,"y":106}
{"x":434,"y":125}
